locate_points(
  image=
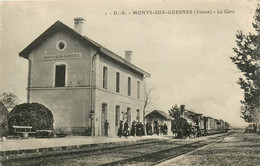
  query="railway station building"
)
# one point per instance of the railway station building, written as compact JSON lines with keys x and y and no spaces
{"x":81,"y":82}
{"x":161,"y":118}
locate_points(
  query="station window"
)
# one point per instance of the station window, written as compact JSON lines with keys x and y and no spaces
{"x":138,"y":89}
{"x":104,"y":112}
{"x":128,"y":115}
{"x":103,"y":118}
{"x":117,"y":115}
{"x":105,"y":77}
{"x":60,"y":75}
{"x":129,"y":86}
{"x":138,"y":115}
{"x":117,"y":82}
{"x":61,"y":45}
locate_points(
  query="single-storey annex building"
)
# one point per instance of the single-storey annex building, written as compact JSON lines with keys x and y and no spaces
{"x":81,"y":82}
{"x":160,"y":118}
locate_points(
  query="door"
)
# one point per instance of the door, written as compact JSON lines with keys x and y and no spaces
{"x":103,"y":118}
{"x":117,"y":118}
{"x":129,"y":116}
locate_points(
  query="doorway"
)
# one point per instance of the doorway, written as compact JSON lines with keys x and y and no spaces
{"x":103,"y":118}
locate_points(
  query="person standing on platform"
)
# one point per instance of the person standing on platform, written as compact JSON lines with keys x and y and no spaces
{"x":133,"y":129}
{"x":126,"y":129}
{"x":106,"y":126}
{"x":120,"y":130}
{"x":156,"y":128}
{"x":142,"y":129}
{"x":165,"y":129}
{"x":138,"y":129}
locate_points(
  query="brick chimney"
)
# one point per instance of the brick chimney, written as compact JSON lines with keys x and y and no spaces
{"x":78,"y":22}
{"x":128,"y":55}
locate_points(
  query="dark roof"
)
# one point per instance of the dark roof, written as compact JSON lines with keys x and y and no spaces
{"x":59,"y":26}
{"x":162,"y":113}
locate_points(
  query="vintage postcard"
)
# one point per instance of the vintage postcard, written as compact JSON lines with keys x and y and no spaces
{"x":154,"y":82}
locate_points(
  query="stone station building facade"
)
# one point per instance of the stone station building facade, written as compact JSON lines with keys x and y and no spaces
{"x":81,"y":82}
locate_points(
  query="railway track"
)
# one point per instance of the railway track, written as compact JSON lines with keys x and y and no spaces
{"x":161,"y":156}
{"x":148,"y":153}
{"x":35,"y":159}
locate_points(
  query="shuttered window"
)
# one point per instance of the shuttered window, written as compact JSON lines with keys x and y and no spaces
{"x":117,"y":82}
{"x":138,"y":89}
{"x":129,"y":86}
{"x":60,"y":75}
{"x":105,"y":77}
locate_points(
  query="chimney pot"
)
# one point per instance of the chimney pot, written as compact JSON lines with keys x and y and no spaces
{"x":128,"y":55}
{"x":78,"y":22}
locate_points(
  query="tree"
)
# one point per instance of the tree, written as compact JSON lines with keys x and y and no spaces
{"x":247,"y":60}
{"x":148,"y":101}
{"x":4,"y":129}
{"x":179,"y":124}
{"x":10,"y":100}
{"x":175,"y":112}
{"x":31,"y":114}
{"x":3,"y":120}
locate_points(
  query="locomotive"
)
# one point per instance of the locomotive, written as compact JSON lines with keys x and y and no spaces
{"x":191,"y":123}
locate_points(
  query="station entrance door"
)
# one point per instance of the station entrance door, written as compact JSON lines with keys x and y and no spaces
{"x":103,"y":118}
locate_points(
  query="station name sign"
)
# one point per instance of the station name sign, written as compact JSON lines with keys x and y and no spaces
{"x":61,"y":57}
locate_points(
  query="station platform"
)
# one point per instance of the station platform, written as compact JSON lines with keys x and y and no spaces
{"x":14,"y":147}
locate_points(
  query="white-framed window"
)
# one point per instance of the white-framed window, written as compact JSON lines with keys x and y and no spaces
{"x":105,"y":77}
{"x":117,"y":82}
{"x":61,"y":45}
{"x":138,"y":115}
{"x":138,"y":89}
{"x":129,"y":86}
{"x":128,"y":113}
{"x":103,"y":117}
{"x":117,"y":115}
{"x":60,"y":74}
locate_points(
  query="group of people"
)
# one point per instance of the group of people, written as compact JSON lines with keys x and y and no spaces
{"x":137,"y":129}
{"x":159,"y":128}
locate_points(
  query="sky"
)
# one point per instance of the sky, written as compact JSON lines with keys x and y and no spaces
{"x":187,"y":55}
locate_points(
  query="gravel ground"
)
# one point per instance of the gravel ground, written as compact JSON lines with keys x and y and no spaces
{"x":110,"y":155}
{"x":237,"y":149}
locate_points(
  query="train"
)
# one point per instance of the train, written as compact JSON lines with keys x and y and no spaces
{"x":207,"y":125}
{"x":195,"y":124}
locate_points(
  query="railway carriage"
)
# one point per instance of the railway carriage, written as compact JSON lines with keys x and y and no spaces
{"x":206,"y":124}
{"x":211,"y":126}
{"x":227,"y":126}
{"x":199,"y":125}
{"x":202,"y":126}
{"x":221,"y":126}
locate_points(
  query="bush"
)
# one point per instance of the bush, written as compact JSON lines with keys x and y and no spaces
{"x":3,"y":129}
{"x":31,"y":114}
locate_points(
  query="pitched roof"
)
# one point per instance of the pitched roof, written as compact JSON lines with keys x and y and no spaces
{"x":59,"y":26}
{"x":162,"y":113}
